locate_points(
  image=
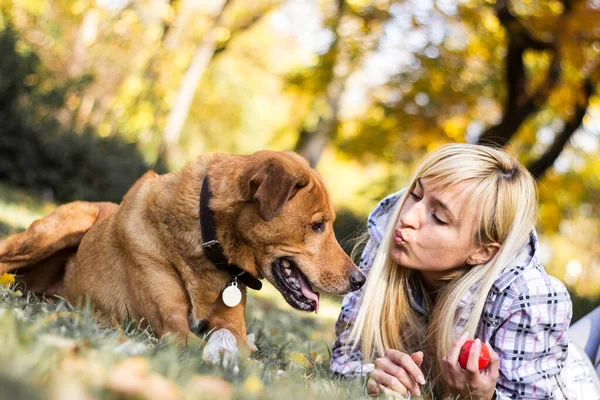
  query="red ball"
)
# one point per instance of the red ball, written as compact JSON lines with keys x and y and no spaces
{"x":484,"y":355}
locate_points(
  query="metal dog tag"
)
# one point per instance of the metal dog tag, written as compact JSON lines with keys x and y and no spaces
{"x":232,"y":296}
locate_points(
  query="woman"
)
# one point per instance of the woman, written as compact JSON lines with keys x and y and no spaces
{"x":454,"y":257}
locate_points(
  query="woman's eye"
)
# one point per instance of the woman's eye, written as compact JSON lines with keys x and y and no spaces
{"x":318,"y":227}
{"x":414,"y":195}
{"x":437,"y":220}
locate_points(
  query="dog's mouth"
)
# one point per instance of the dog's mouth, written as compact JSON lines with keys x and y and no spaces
{"x":294,"y":286}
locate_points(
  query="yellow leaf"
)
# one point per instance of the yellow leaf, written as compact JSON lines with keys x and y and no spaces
{"x":299,"y":358}
{"x":490,"y":21}
{"x":316,"y":335}
{"x":77,"y":7}
{"x":104,"y":129}
{"x":133,"y":86}
{"x":455,"y":127}
{"x":252,"y":385}
{"x":35,"y":7}
{"x":133,"y":377}
{"x":6,"y":279}
{"x":557,"y":7}
{"x":212,"y":387}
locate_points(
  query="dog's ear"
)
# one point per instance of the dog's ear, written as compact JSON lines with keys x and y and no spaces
{"x":272,"y":185}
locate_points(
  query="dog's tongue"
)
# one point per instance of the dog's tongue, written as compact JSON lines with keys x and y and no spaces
{"x":309,"y":294}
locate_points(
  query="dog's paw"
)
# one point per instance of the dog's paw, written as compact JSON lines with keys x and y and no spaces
{"x":251,"y":341}
{"x":221,"y":348}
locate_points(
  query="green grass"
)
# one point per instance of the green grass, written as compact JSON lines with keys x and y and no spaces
{"x":48,"y":349}
{"x":55,"y":351}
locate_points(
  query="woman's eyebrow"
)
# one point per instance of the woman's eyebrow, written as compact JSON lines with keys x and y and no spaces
{"x":438,"y":202}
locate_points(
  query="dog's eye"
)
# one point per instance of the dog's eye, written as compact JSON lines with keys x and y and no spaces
{"x":318,"y":226}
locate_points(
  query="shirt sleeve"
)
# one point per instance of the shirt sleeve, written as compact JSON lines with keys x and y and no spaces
{"x":347,"y":362}
{"x":532,"y":342}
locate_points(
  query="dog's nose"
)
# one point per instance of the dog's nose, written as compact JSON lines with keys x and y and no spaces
{"x":357,"y":279}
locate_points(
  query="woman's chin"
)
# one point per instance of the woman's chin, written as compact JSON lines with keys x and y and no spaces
{"x":398,"y":255}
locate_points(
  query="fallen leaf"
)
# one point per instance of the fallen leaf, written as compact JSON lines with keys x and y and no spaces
{"x":210,"y":387}
{"x":133,"y":377}
{"x":252,"y":385}
{"x":300,"y":359}
{"x":6,"y":279}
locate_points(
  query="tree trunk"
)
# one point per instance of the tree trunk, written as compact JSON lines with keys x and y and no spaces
{"x":312,"y":143}
{"x":546,"y":160}
{"x":519,"y":104}
{"x":183,"y":100}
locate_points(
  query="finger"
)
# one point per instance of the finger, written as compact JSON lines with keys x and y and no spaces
{"x":389,"y":381}
{"x":417,"y":358}
{"x":373,"y":388}
{"x":454,"y":352}
{"x":400,"y":373}
{"x":391,"y":394}
{"x":406,"y":362}
{"x":494,"y":357}
{"x":492,"y":370}
{"x":473,"y":360}
{"x":450,"y":370}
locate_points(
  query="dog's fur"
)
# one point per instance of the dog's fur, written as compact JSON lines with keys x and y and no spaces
{"x":143,"y":259}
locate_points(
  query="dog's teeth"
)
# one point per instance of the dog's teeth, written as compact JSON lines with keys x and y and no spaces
{"x":287,"y":270}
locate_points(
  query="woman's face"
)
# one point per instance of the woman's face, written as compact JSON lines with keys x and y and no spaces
{"x":432,"y":234}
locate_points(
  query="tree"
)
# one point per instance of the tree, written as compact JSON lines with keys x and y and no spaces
{"x":206,"y":51}
{"x":327,"y":81}
{"x":521,"y":100}
{"x":313,"y":139}
{"x":500,"y":75}
{"x":185,"y":94}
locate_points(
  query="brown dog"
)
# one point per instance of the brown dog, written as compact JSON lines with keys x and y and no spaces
{"x":144,"y":258}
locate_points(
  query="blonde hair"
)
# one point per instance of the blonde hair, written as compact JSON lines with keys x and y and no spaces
{"x":503,"y":200}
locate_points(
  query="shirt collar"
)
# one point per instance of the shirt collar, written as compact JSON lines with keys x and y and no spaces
{"x":526,"y":257}
{"x":416,"y":297}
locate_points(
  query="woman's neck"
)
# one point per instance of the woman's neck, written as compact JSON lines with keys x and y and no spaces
{"x":429,"y":290}
{"x":431,"y":282}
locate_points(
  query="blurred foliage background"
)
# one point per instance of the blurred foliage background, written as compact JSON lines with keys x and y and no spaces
{"x":93,"y":93}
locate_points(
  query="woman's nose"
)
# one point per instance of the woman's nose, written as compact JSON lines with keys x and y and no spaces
{"x":412,"y":216}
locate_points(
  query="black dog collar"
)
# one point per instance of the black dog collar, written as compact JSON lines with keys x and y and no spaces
{"x":212,"y":247}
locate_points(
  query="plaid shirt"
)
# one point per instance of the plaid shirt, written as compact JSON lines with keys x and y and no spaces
{"x":525,"y":320}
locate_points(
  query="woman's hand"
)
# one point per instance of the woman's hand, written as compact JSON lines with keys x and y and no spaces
{"x":470,"y":382}
{"x":396,"y":374}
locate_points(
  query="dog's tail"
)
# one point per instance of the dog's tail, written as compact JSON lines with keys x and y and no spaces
{"x":38,"y":256}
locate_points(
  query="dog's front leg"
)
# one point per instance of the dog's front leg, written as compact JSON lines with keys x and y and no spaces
{"x":221,"y":348}
{"x":229,"y":334}
{"x":176,"y":323}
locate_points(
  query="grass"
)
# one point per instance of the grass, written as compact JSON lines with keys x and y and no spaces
{"x":50,"y":350}
{"x":57,"y":351}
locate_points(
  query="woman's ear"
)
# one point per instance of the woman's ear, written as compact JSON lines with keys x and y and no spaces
{"x":483,"y":254}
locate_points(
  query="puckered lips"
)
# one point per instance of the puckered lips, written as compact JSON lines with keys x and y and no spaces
{"x":294,"y":286}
